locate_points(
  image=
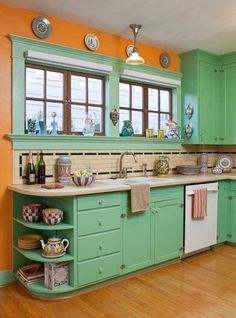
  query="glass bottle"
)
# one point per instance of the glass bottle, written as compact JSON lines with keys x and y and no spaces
{"x":41,"y":169}
{"x":30,"y":170}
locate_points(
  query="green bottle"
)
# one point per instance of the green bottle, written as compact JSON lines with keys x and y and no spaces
{"x":30,"y":170}
{"x":41,"y":169}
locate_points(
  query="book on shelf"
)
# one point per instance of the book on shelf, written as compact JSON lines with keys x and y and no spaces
{"x":31,"y":273}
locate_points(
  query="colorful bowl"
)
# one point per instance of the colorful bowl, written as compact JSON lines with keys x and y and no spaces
{"x":32,"y":212}
{"x":52,"y":216}
{"x":83,"y":181}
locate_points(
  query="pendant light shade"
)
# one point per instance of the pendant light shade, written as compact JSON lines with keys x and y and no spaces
{"x":135,"y":58}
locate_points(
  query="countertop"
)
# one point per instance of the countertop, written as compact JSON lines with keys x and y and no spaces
{"x":113,"y":185}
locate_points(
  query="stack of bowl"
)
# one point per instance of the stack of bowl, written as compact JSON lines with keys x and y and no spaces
{"x":32,"y":212}
{"x":52,"y":216}
{"x":29,"y":241}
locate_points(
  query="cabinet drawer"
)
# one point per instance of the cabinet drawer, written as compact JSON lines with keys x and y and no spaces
{"x":98,"y":201}
{"x":99,"y":269}
{"x":99,"y":245}
{"x":96,"y":221}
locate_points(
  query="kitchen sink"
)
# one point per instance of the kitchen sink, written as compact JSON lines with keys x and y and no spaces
{"x":135,"y":180}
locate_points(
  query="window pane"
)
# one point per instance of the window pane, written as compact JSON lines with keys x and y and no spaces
{"x":137,"y":120}
{"x":77,"y":117}
{"x":153,"y":122}
{"x":58,"y":109}
{"x":137,"y":97}
{"x":165,"y":101}
{"x":78,"y":89}
{"x":54,"y":85}
{"x":124,"y":115}
{"x":163,"y":120}
{"x":124,"y":95}
{"x":95,"y":91}
{"x":34,"y":110}
{"x":153,"y":99}
{"x":34,"y":83}
{"x":96,"y":114}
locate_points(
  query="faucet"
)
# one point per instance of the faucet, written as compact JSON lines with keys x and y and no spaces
{"x":123,"y":170}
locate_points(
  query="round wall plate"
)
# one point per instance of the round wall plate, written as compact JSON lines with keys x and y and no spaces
{"x":41,"y":27}
{"x":129,"y":49}
{"x":165,"y":60}
{"x":92,"y":42}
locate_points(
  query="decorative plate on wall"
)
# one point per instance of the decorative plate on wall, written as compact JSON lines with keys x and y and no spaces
{"x":92,"y":42}
{"x":165,"y":60}
{"x":41,"y":27}
{"x":225,"y":162}
{"x":129,"y":49}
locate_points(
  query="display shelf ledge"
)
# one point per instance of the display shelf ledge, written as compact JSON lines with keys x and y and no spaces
{"x":44,"y":226}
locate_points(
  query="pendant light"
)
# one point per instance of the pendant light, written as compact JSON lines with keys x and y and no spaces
{"x":135,"y":58}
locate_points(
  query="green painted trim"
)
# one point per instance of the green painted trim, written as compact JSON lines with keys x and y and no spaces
{"x":6,"y":277}
{"x":63,"y":142}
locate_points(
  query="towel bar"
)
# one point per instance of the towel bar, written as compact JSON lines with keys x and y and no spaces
{"x":191,"y":193}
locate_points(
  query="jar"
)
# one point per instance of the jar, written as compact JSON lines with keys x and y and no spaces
{"x":127,"y":129}
{"x":203,"y":161}
{"x":64,"y":169}
{"x":162,"y":166}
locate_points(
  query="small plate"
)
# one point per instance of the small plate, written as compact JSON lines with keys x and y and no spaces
{"x":165,"y":60}
{"x":53,"y":256}
{"x":92,"y":42}
{"x":129,"y":49}
{"x":225,"y":162}
{"x":41,"y":27}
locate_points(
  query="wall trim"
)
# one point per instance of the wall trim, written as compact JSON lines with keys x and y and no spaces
{"x":6,"y":277}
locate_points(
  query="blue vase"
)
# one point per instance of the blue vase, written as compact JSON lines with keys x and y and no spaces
{"x":42,"y":127}
{"x":127,"y":129}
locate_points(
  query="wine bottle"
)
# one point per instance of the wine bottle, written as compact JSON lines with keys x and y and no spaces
{"x":41,"y":169}
{"x":30,"y":170}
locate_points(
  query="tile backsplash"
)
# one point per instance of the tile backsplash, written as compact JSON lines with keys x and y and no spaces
{"x":105,"y":163}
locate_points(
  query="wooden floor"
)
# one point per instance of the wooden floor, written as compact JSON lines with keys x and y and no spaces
{"x":200,"y":286}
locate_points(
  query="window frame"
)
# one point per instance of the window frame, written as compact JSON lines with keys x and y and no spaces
{"x":66,"y":101}
{"x":145,"y":109}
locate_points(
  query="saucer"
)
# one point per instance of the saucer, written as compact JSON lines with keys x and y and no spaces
{"x":53,"y":256}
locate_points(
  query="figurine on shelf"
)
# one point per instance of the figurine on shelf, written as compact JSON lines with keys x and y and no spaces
{"x":173,"y":130}
{"x":54,"y":124}
{"x":89,"y":124}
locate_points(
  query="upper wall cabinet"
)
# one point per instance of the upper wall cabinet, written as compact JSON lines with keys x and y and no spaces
{"x":202,"y":81}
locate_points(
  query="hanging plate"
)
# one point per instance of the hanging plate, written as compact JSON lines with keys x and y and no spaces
{"x":165,"y":60}
{"x":129,"y":49}
{"x":92,"y":42}
{"x":41,"y":27}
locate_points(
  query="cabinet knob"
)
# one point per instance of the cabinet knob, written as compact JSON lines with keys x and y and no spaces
{"x":157,"y":210}
{"x":215,"y":138}
{"x":99,"y":222}
{"x":100,"y":247}
{"x":100,"y":201}
{"x":100,"y":270}
{"x":221,"y":138}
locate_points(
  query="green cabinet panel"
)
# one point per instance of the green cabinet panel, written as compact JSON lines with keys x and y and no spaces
{"x":96,"y":201}
{"x":92,"y":271}
{"x":223,"y":197}
{"x":231,"y":218}
{"x":100,"y":220}
{"x":97,"y":245}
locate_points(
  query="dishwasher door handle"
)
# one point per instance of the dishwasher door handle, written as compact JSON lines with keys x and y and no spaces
{"x":211,"y":191}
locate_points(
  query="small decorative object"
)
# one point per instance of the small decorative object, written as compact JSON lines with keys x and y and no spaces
{"x":165,"y":60}
{"x":52,"y":186}
{"x":42,"y":126}
{"x":203,"y":162}
{"x":127,"y":129}
{"x":56,"y":274}
{"x":173,"y":130}
{"x":217,"y":170}
{"x":64,"y":169}
{"x":92,"y":42}
{"x":31,"y":212}
{"x":162,"y":166}
{"x":129,"y":49}
{"x":54,"y":247}
{"x":188,"y":169}
{"x":161,"y":133}
{"x":83,"y":177}
{"x":114,"y":116}
{"x":29,"y":241}
{"x":189,"y":131}
{"x":89,"y":125}
{"x":149,"y":133}
{"x":189,"y":111}
{"x":52,"y":216}
{"x":54,"y":124}
{"x":225,"y":162}
{"x":41,"y":27}
{"x":31,"y":126}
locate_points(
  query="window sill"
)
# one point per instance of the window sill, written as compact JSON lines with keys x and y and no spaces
{"x":73,"y":142}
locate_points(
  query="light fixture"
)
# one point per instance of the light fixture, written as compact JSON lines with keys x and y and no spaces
{"x":135,"y":58}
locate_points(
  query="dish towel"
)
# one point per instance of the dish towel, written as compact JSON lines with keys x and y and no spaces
{"x":140,"y":197}
{"x":199,"y":203}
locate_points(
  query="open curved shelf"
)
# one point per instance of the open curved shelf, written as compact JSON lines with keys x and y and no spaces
{"x":44,"y":226}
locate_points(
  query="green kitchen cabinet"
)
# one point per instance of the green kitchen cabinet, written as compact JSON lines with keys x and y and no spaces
{"x":231,"y":218}
{"x":223,"y":199}
{"x":167,"y":209}
{"x":201,"y":88}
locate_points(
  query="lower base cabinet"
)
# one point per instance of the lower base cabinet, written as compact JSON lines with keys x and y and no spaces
{"x":223,"y":211}
{"x":231,"y":218}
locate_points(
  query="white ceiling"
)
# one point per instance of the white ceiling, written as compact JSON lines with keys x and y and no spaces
{"x":178,"y":25}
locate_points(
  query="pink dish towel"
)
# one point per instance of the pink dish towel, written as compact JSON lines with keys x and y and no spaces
{"x":199,"y":203}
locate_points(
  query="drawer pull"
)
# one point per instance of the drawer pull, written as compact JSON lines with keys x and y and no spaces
{"x":100,"y":247}
{"x":100,"y":202}
{"x":100,"y":271}
{"x":99,"y":222}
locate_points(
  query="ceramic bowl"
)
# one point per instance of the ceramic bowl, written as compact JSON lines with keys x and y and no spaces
{"x":32,"y":212}
{"x":52,"y":216}
{"x":83,"y":181}
{"x":29,"y":241}
{"x":188,"y":169}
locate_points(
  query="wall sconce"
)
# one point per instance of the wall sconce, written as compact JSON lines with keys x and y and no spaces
{"x":135,"y":58}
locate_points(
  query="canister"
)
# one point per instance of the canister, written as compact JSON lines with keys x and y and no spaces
{"x":203,"y":161}
{"x":64,"y":169}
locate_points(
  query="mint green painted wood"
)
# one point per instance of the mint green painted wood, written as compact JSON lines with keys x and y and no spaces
{"x":222,"y":216}
{"x":99,"y":269}
{"x":95,"y":201}
{"x":98,"y":245}
{"x":97,"y":221}
{"x":231,"y":218}
{"x":43,"y":226}
{"x":6,"y":277}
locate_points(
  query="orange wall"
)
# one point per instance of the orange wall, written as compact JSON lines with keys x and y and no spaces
{"x":18,"y":21}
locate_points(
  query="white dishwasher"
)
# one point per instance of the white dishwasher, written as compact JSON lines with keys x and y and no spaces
{"x":201,"y":233}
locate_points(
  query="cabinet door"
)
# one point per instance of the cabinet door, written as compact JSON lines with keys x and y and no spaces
{"x":137,"y":240}
{"x":222,"y":215}
{"x":168,"y":229}
{"x":209,"y":95}
{"x":231,"y":219}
